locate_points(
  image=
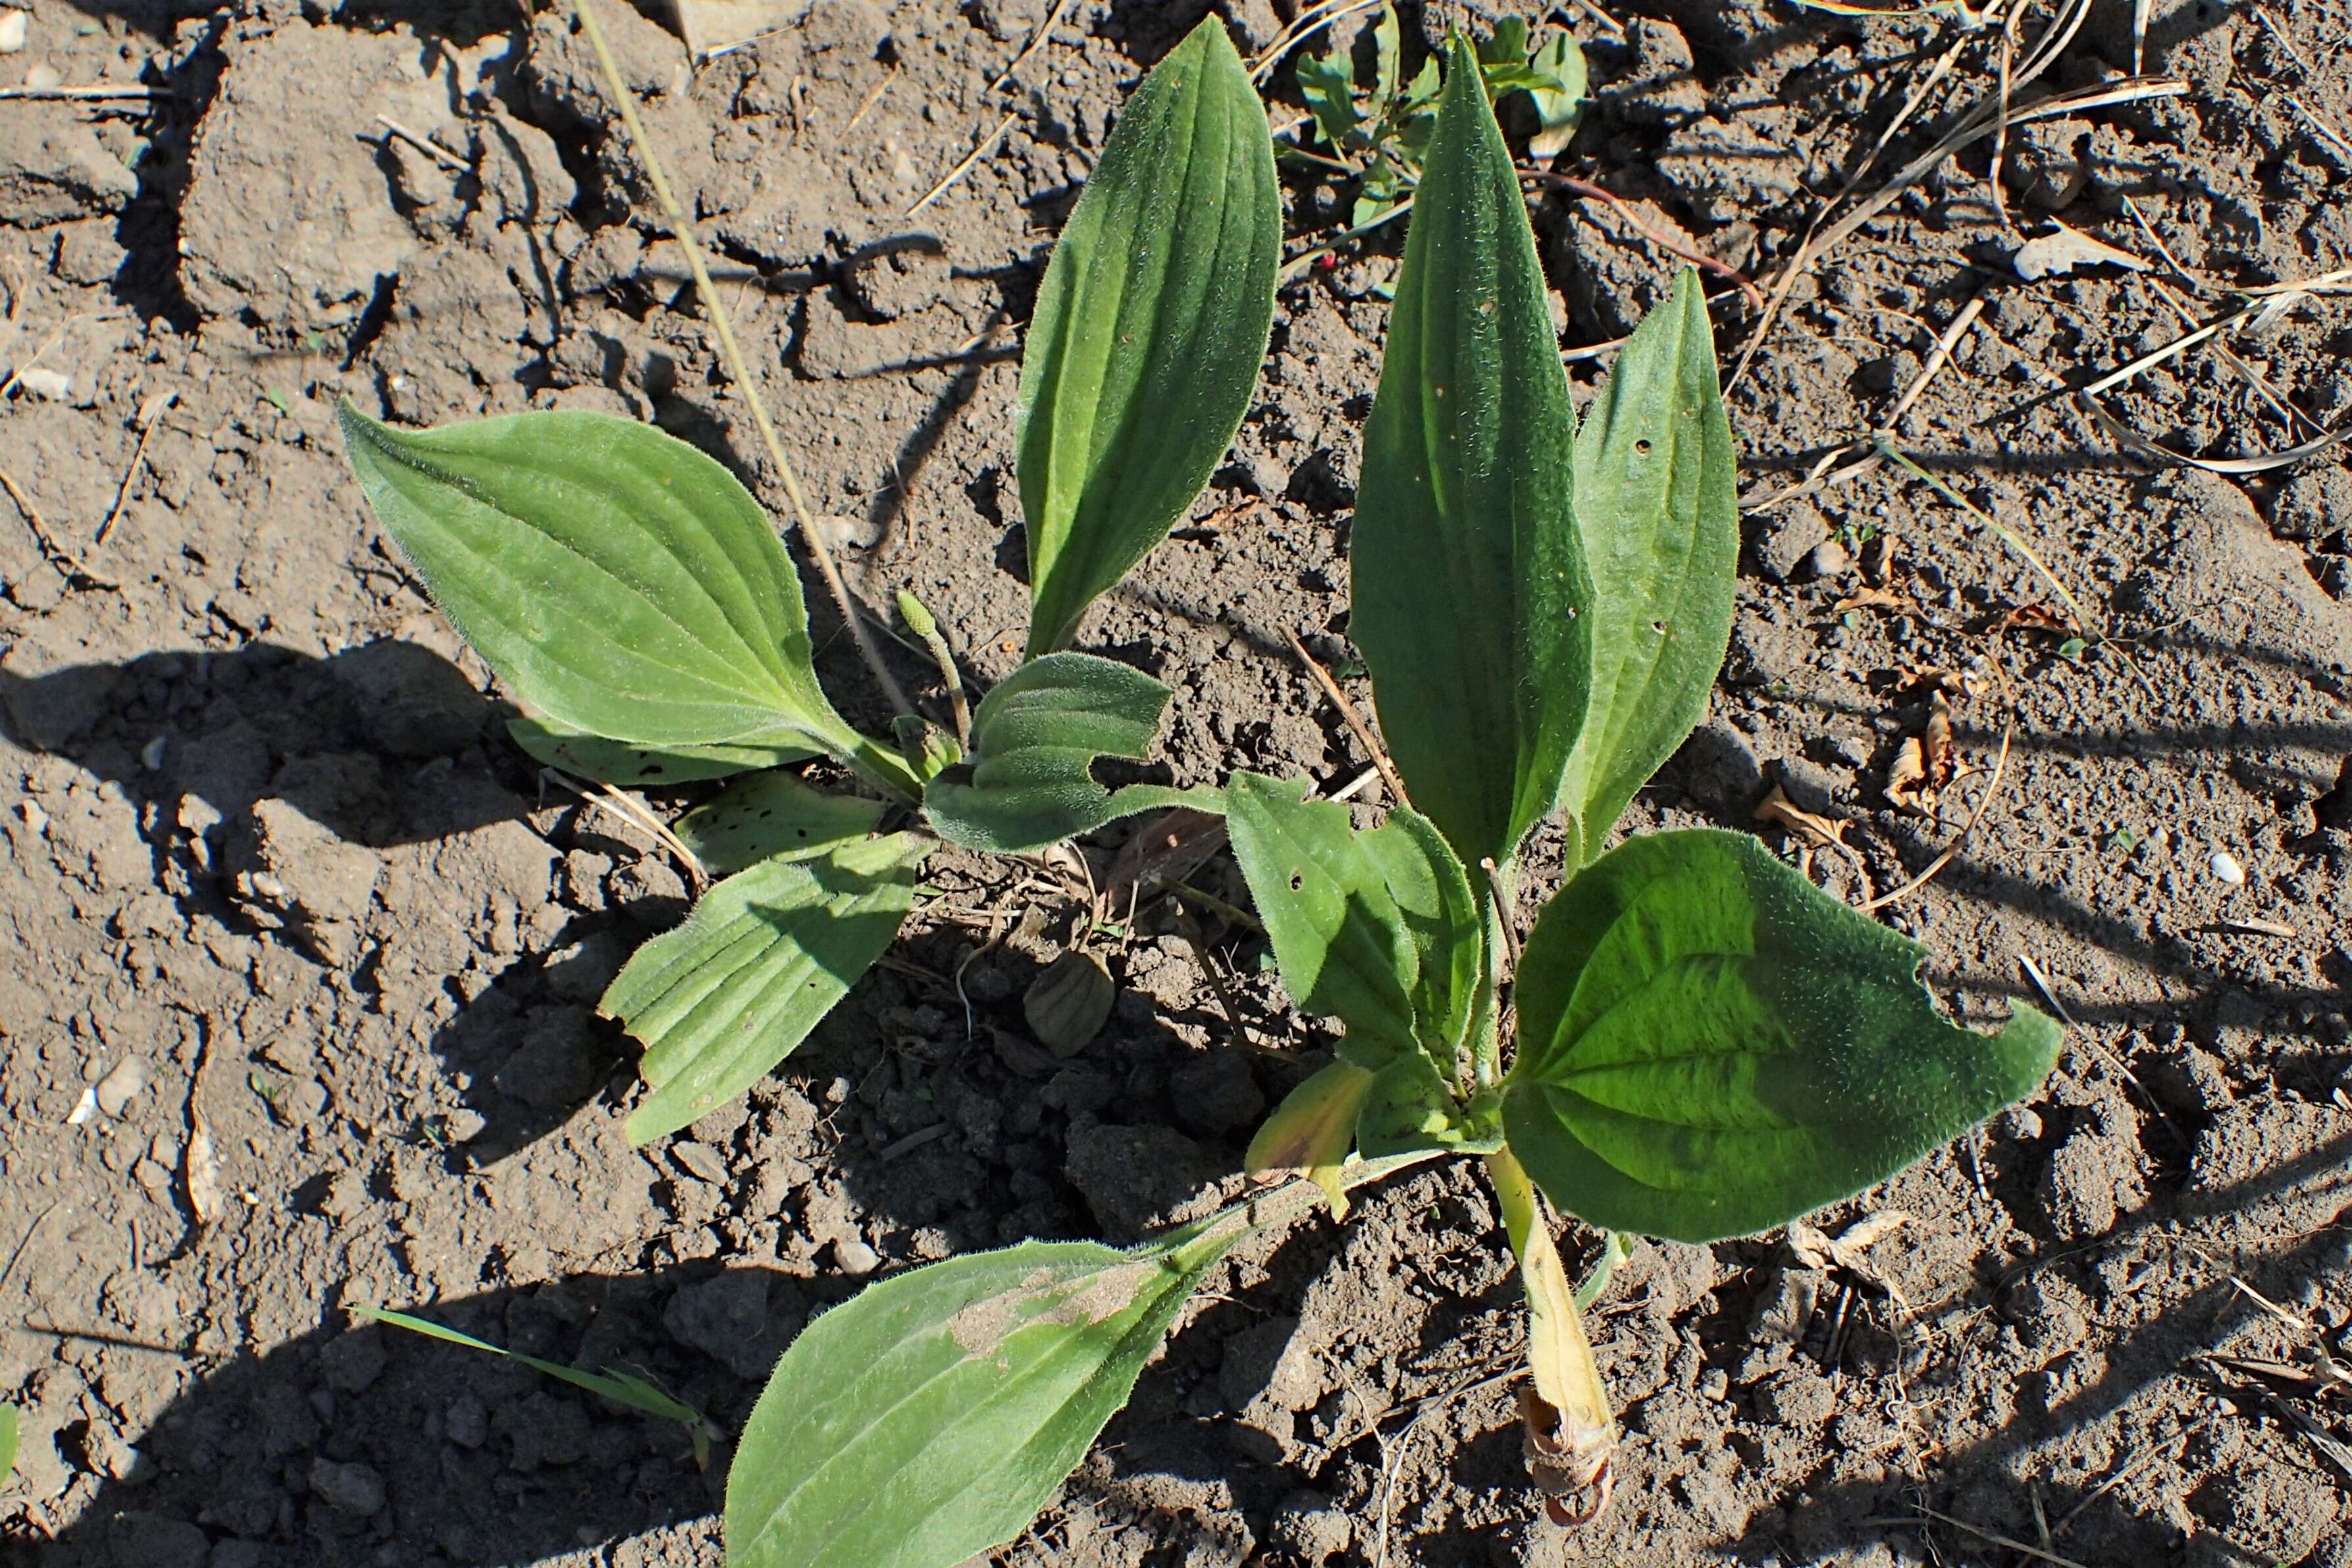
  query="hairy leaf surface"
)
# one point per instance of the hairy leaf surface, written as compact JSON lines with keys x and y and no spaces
{"x":770,"y":814}
{"x":1655,"y":503}
{"x":1710,"y":1046}
{"x":620,"y":582}
{"x":764,"y":956}
{"x":575,"y":751}
{"x":1149,"y":328}
{"x":1472,"y":602}
{"x":1035,"y":738}
{"x":931,"y":1417}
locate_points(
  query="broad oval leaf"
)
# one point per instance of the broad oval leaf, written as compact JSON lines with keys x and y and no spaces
{"x":764,"y":956}
{"x":620,"y":582}
{"x":770,"y":815}
{"x":1710,"y":1046}
{"x":933,"y":1415}
{"x":1149,"y":328}
{"x":1660,"y":522}
{"x":1035,"y":741}
{"x":575,"y":751}
{"x":1472,"y":602}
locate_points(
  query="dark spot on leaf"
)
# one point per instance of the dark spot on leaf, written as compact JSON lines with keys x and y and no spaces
{"x":1643,"y":447}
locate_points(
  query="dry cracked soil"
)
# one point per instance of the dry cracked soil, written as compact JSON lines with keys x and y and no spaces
{"x":274,"y":871}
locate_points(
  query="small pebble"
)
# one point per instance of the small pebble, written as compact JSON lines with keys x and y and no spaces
{"x":2227,"y":870}
{"x":702,"y":1162}
{"x":151,"y":755}
{"x":118,"y":1089}
{"x":853,"y":1256}
{"x":12,"y":31}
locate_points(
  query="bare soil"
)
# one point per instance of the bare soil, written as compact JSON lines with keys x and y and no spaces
{"x":266,"y":839}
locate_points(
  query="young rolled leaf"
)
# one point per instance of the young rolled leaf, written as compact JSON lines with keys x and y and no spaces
{"x":1472,"y":601}
{"x":1411,"y":1108}
{"x":620,"y":582}
{"x":1710,"y":1046}
{"x":1311,"y":1132}
{"x":772,"y":815}
{"x":1441,"y":916}
{"x":1660,"y":523}
{"x":1338,"y":935}
{"x":1149,"y":328}
{"x":575,"y":751}
{"x":1035,"y":739}
{"x":932,"y":1416}
{"x":764,"y":956}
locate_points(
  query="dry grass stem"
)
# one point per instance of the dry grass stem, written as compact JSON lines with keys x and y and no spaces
{"x":624,"y":103}
{"x":963,"y":168}
{"x":1356,"y":723}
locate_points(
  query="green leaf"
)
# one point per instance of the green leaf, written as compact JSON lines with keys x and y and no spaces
{"x":933,"y":1415}
{"x":1410,"y":1108}
{"x":1338,"y":937}
{"x":1471,"y":598}
{"x":588,"y":757}
{"x":7,"y":1442}
{"x":1710,"y":1046}
{"x":1312,"y":1130}
{"x":1557,"y":93}
{"x":764,"y":956}
{"x":621,"y":583}
{"x":1327,"y":83}
{"x":772,"y":815}
{"x":1149,"y":328}
{"x":1661,"y":528}
{"x":624,"y":1388}
{"x":1035,"y":741}
{"x":1441,"y":918}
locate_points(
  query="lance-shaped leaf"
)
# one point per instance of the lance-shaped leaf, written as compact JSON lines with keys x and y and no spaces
{"x":763,"y":957}
{"x":620,"y":582}
{"x":575,"y":751}
{"x":1035,"y":739}
{"x":1472,"y":603}
{"x":1149,"y":328}
{"x":932,"y":1416}
{"x":770,"y":814}
{"x":7,"y":1441}
{"x":1710,"y":1046}
{"x":1661,"y":528}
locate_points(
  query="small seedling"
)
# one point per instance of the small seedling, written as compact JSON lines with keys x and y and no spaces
{"x":7,"y":1443}
{"x":624,"y":1388}
{"x":1379,"y":131}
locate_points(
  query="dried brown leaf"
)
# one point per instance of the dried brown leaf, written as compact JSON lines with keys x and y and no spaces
{"x":1809,"y":829}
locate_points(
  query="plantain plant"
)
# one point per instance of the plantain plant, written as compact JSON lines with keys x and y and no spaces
{"x":1695,"y":1042}
{"x":633,"y":595}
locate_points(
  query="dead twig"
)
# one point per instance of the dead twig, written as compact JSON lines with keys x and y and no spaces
{"x":1355,"y":721}
{"x":148,"y":416}
{"x":1666,"y":242}
{"x":963,"y":168}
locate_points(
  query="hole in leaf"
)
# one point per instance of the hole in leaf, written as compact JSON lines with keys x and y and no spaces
{"x":1659,"y":628}
{"x":1296,"y":881}
{"x":1643,"y":447}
